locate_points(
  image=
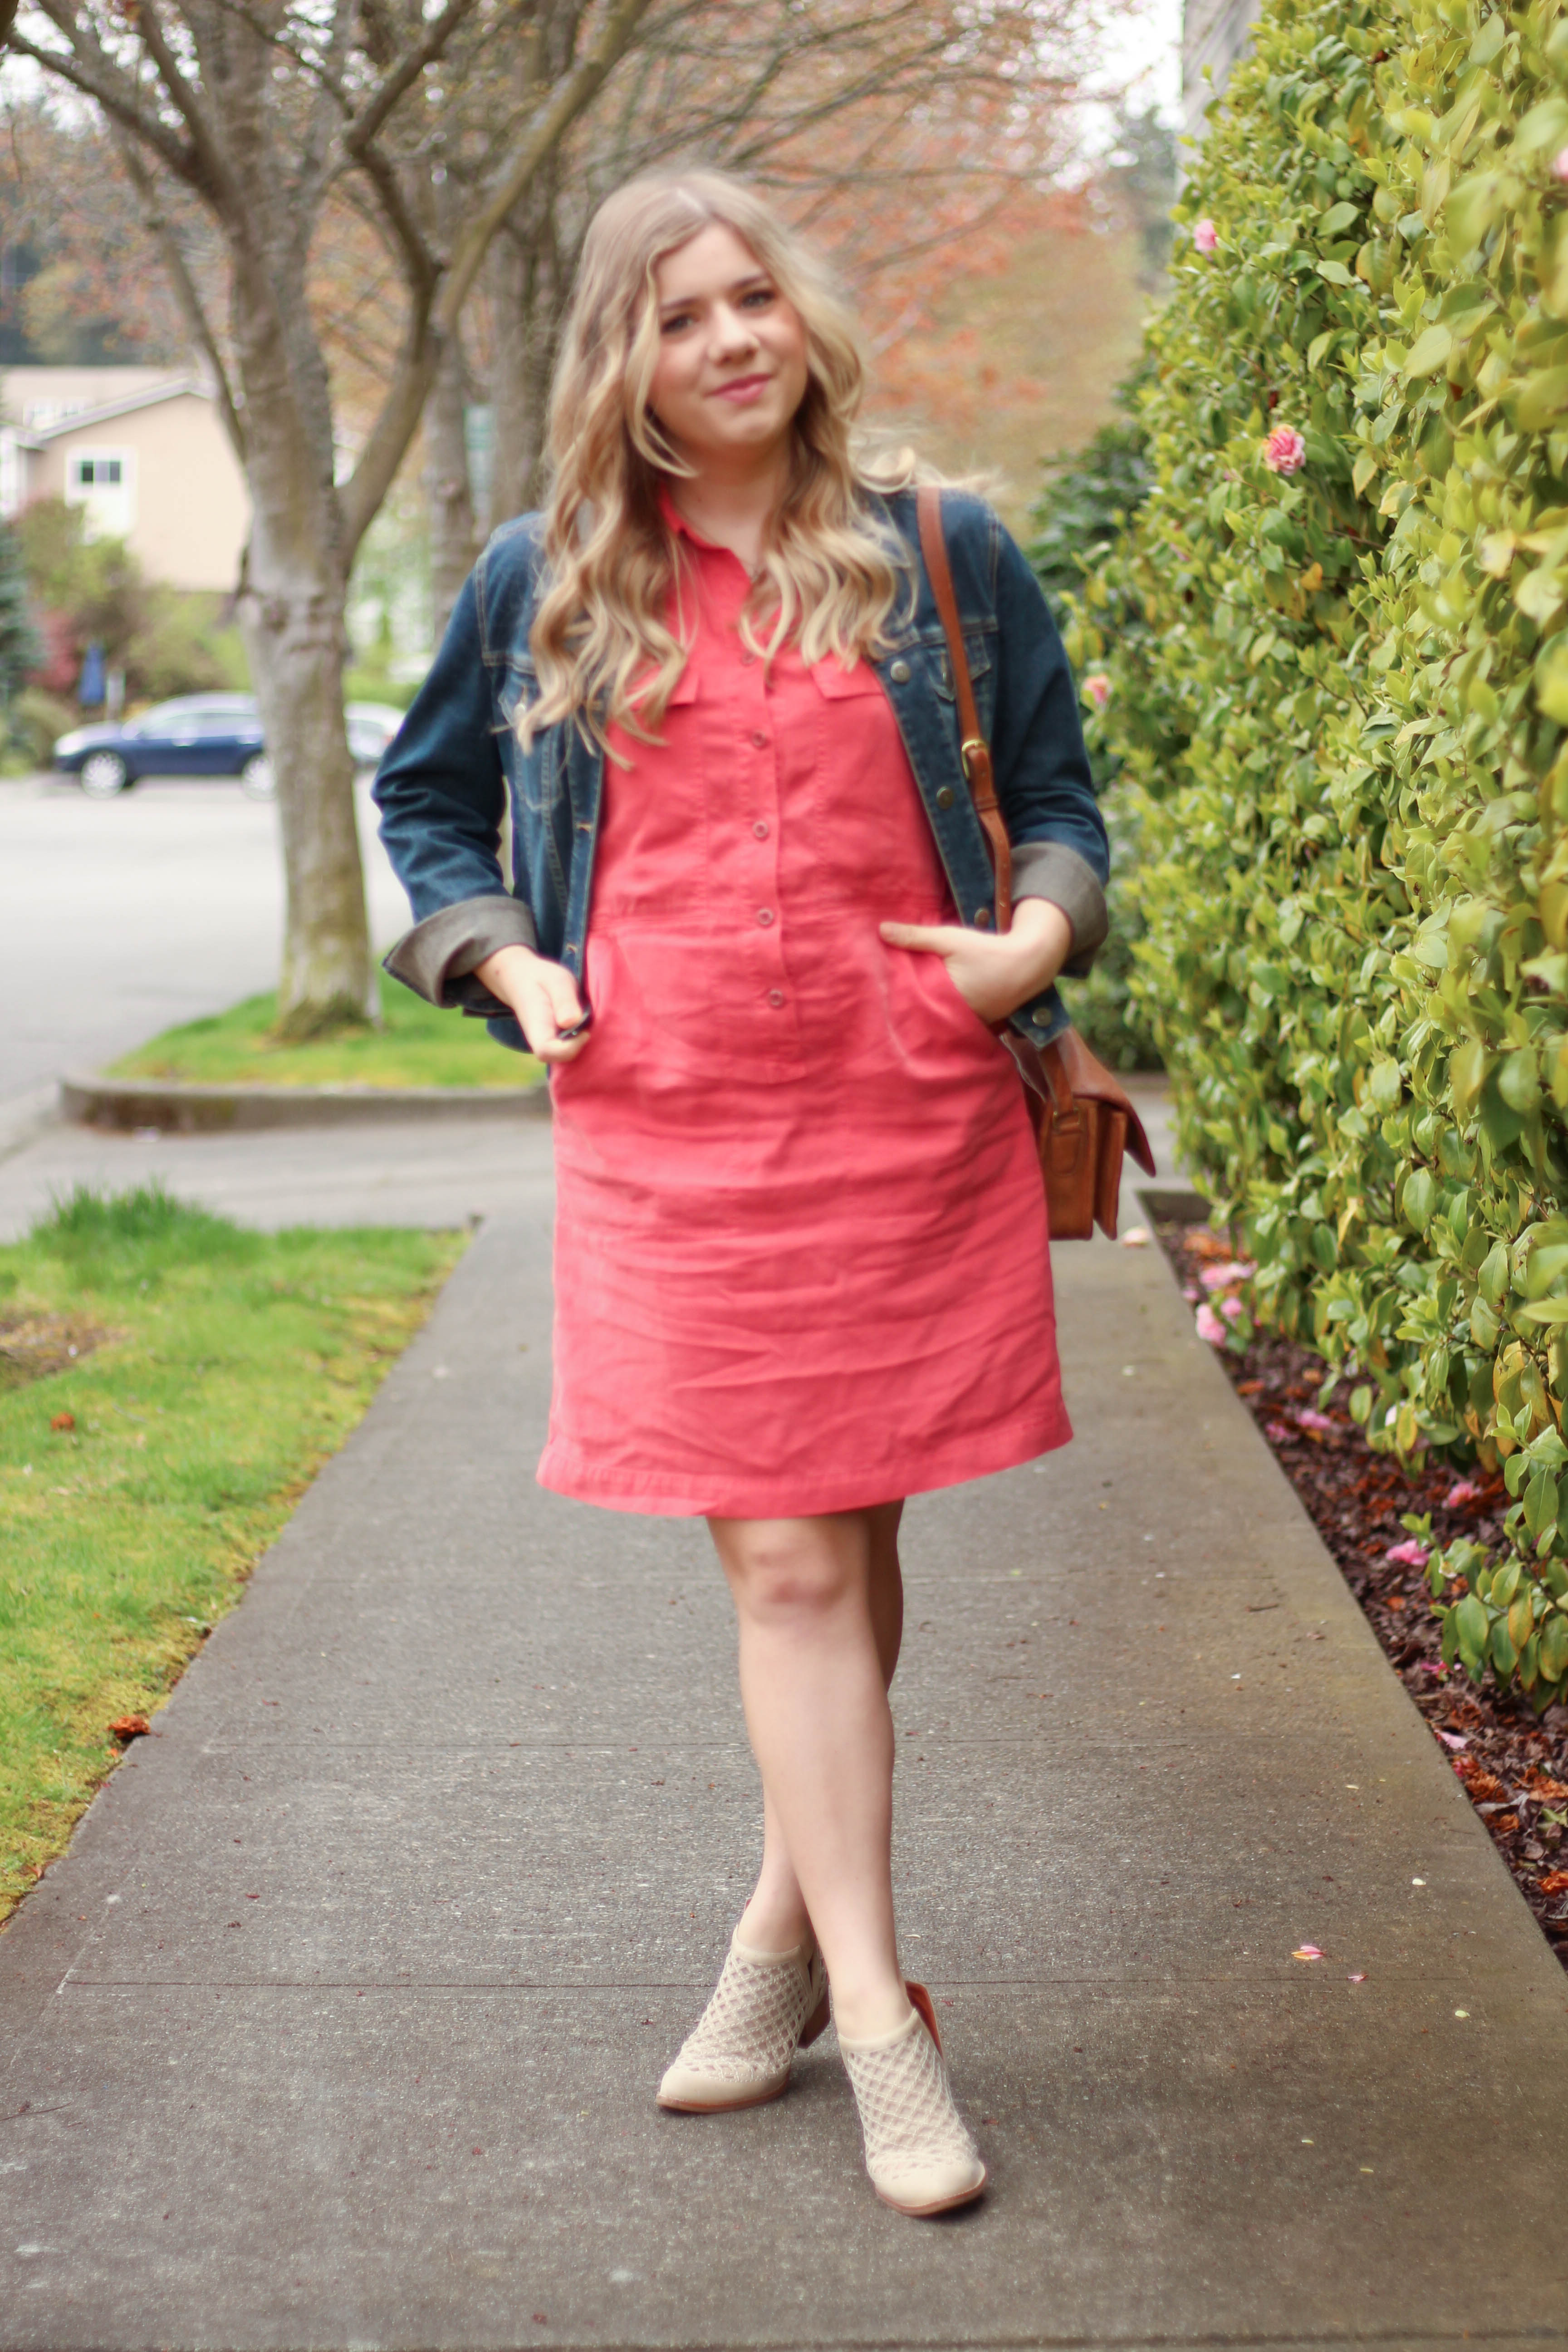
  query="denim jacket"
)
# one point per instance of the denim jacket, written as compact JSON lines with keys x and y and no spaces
{"x":456,"y":767}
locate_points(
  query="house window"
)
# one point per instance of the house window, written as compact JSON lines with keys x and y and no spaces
{"x":102,"y":483}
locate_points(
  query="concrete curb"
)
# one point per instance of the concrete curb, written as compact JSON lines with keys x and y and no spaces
{"x":129,"y":1103}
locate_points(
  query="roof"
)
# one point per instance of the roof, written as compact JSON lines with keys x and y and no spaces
{"x":74,"y":413}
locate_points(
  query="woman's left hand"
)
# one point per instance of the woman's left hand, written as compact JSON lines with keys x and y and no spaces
{"x":993,"y":975}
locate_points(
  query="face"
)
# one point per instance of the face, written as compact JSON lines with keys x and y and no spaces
{"x":732,"y":370}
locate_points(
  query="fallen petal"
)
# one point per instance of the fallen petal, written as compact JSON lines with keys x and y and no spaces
{"x":1135,"y":1237}
{"x":1453,"y":1738}
{"x":1306,"y":1952}
{"x":1359,"y":1977}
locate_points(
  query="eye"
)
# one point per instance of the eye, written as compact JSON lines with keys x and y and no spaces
{"x":676,"y":322}
{"x":758,"y":298}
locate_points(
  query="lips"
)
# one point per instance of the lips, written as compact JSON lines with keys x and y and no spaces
{"x":743,"y":387}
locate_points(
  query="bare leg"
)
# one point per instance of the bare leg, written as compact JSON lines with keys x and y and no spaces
{"x":819,"y":1602}
{"x":776,"y":1919}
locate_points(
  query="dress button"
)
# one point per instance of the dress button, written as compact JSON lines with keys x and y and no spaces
{"x":761,"y":828}
{"x":944,"y":797}
{"x":899,"y":672}
{"x":765,"y":916}
{"x":775,"y":996}
{"x":759,"y":737}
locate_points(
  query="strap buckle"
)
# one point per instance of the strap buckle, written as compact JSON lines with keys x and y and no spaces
{"x":973,"y":751}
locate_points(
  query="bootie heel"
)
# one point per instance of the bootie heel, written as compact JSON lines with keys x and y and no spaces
{"x":766,"y":2007}
{"x":918,"y":2153}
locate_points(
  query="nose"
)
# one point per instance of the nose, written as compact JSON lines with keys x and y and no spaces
{"x":734,"y":335}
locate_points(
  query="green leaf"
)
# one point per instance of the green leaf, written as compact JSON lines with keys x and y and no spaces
{"x":1429,"y":353}
{"x":1554,"y":1648}
{"x":1468,"y":1068}
{"x":1471,"y":1625}
{"x":1543,"y":397}
{"x":1518,"y":1080}
{"x":1504,"y":1656}
{"x":1420,"y":1198}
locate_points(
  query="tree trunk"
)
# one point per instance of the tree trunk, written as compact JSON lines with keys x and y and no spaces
{"x":297,"y":646}
{"x":527,"y":303}
{"x":450,"y":492}
{"x":293,"y":588}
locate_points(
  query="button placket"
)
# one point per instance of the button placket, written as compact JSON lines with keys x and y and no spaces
{"x":754,"y":710}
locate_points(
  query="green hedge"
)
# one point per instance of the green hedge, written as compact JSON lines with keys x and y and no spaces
{"x":1346,"y":729}
{"x":1085,"y":503}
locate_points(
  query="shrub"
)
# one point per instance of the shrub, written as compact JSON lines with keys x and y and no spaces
{"x":1345,"y":728}
{"x":167,"y":640}
{"x":1085,"y":503}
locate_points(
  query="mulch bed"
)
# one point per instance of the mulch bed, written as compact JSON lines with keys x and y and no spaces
{"x":1512,"y":1762}
{"x":32,"y":1346}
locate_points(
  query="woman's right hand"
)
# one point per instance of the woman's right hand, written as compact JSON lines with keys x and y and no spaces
{"x":543,"y":994}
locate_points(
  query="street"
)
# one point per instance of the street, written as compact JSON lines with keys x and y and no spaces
{"x":120,"y":918}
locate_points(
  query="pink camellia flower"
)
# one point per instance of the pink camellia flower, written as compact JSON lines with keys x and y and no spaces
{"x":1210,"y":1328}
{"x":1411,"y":1553}
{"x":1284,"y":452}
{"x":1230,"y":1308}
{"x":1205,"y":237}
{"x":1559,"y":164}
{"x":1309,"y":1418}
{"x":1097,"y":685}
{"x":1467,"y":1491}
{"x":1220,"y":1277}
{"x":1278,"y":1433}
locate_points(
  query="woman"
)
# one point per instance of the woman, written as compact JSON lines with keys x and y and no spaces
{"x":801,"y":1253}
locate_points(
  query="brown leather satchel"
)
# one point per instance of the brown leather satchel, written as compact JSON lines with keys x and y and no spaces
{"x":1084,"y":1119}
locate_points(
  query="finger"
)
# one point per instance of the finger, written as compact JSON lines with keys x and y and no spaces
{"x":537,"y":1019}
{"x":561,"y":989}
{"x":931,"y":939}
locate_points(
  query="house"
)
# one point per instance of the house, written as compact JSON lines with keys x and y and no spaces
{"x":144,"y":450}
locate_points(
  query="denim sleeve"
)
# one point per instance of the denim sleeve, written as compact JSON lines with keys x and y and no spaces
{"x":441,"y":791}
{"x":1043,"y":780}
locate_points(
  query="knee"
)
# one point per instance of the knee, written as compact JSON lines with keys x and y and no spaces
{"x":778,"y":1574}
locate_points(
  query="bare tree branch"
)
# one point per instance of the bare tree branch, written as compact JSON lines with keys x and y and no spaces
{"x":367,"y":123}
{"x":118,"y":97}
{"x":421,"y":354}
{"x":186,"y":291}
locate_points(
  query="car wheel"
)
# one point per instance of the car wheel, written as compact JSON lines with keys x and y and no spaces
{"x":256,"y":781}
{"x":104,"y":774}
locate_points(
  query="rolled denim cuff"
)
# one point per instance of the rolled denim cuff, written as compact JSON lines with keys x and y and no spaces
{"x":438,"y":956}
{"x":1049,"y":869}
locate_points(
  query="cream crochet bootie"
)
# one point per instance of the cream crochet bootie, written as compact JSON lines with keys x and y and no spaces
{"x":765,"y":2006}
{"x":918,"y":2151}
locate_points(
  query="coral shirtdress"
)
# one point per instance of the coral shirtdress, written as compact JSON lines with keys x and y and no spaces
{"x":801,"y":1258}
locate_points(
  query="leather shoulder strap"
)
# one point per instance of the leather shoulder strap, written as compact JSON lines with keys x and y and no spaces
{"x":975,"y":750}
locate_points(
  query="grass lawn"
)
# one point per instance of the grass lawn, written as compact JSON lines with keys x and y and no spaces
{"x":169,"y":1383}
{"x":417,"y":1046}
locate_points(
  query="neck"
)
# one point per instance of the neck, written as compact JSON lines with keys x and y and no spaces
{"x":733,"y":504}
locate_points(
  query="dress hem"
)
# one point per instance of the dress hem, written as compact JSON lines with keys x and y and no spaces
{"x":1008,"y":1447}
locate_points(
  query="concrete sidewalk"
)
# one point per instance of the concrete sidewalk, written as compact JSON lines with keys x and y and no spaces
{"x":340,"y":2024}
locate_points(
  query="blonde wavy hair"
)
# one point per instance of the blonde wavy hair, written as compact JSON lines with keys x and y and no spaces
{"x":831,"y":571}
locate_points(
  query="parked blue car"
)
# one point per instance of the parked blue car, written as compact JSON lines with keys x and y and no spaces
{"x":202,"y":735}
